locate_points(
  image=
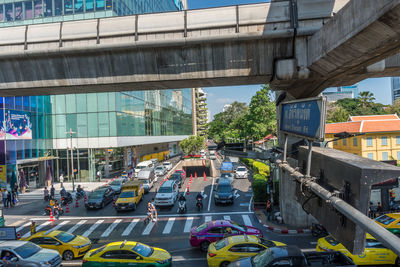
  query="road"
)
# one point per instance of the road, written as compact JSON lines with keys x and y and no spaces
{"x":170,"y":232}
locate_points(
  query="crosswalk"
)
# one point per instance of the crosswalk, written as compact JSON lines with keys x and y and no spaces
{"x":120,"y":227}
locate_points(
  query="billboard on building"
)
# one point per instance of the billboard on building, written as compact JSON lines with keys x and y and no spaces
{"x":16,"y":125}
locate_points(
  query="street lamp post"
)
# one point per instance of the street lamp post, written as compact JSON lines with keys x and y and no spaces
{"x":72,"y":159}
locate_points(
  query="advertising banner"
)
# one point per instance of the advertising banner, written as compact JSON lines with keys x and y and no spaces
{"x":17,"y":125}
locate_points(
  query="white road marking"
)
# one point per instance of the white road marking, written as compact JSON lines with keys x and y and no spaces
{"x":212,"y":189}
{"x":22,"y":227}
{"x":111,"y":228}
{"x":144,"y":216}
{"x":245,"y":204}
{"x":247,"y":220}
{"x":168,"y":226}
{"x":228,"y":218}
{"x":308,"y":250}
{"x":92,"y":228}
{"x":188,"y":225}
{"x":130,"y":227}
{"x":76,"y":226}
{"x":251,"y":200}
{"x":37,"y":229}
{"x":208,"y":219}
{"x":58,"y":226}
{"x":148,"y":228}
{"x":313,"y":243}
{"x":236,"y":194}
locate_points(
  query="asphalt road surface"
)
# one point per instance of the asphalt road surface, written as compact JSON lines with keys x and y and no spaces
{"x":171,"y":231}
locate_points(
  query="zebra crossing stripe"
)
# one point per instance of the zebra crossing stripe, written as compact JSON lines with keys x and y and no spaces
{"x":130,"y":227}
{"x":227,"y":218}
{"x":148,"y":228}
{"x":168,"y":226}
{"x":188,"y":224}
{"x":247,"y":220}
{"x":37,"y":229}
{"x":111,"y":228}
{"x":208,"y":219}
{"x":76,"y":226}
{"x":22,"y":227}
{"x":92,"y":228}
{"x":58,"y":226}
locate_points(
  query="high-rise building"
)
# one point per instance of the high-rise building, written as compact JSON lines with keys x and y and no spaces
{"x":112,"y":131}
{"x":335,"y":93}
{"x":201,"y":112}
{"x":395,"y":88}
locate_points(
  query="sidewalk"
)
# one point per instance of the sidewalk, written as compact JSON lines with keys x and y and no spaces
{"x":87,"y":186}
{"x":277,"y":228}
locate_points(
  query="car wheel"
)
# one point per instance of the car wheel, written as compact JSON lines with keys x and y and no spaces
{"x":204,"y":246}
{"x":68,"y":255}
{"x":134,"y":206}
{"x":397,"y":264}
{"x":224,"y":264}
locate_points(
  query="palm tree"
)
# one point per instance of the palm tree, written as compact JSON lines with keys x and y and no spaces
{"x":366,"y":98}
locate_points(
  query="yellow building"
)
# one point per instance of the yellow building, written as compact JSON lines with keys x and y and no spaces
{"x":380,"y":139}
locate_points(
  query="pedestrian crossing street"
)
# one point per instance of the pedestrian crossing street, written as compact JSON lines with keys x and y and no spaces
{"x":122,"y":227}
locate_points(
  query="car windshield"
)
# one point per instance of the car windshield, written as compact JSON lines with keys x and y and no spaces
{"x":241,"y":227}
{"x":384,"y":219}
{"x":226,"y":175}
{"x":166,"y":163}
{"x":165,"y":190}
{"x":266,"y":243}
{"x":115,"y":182}
{"x":96,"y":194}
{"x":26,"y":250}
{"x":331,"y":241}
{"x":224,"y":189}
{"x":65,"y":237}
{"x":221,"y":244}
{"x":202,"y":227}
{"x":143,"y":250}
{"x":175,"y":177}
{"x":241,"y":169}
{"x":127,"y":194}
{"x":159,"y":168}
{"x":140,"y":167}
{"x":262,"y":259}
{"x":100,"y":249}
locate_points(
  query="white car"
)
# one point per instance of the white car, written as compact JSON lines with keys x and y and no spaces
{"x":241,"y":172}
{"x":212,"y":155}
{"x":160,"y":170}
{"x":168,"y":165}
{"x":167,"y":194}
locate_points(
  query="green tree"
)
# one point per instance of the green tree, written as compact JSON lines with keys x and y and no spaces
{"x":261,"y":119}
{"x":336,"y":113}
{"x":395,"y":108}
{"x":366,"y":98}
{"x":192,"y":145}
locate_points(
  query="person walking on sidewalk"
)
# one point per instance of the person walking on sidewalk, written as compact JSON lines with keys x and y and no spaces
{"x":61,"y":180}
{"x":268,"y":208}
{"x":9,"y":204}
{"x":52,"y":192}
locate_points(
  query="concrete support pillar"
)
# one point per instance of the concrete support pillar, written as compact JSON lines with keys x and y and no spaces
{"x":126,"y":160}
{"x":42,"y":172}
{"x":385,"y":198}
{"x":107,"y":167}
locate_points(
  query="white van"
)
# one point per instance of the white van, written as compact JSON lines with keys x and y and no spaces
{"x":212,"y":155}
{"x":143,"y":165}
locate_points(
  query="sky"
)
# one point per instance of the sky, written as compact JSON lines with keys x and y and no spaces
{"x":217,"y":97}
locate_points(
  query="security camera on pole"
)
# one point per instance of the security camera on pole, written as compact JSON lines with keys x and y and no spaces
{"x":72,"y":159}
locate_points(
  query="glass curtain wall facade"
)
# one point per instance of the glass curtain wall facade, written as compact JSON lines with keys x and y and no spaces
{"x":17,"y":12}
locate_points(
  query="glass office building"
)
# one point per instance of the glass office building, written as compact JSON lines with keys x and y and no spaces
{"x":26,"y":12}
{"x":111,"y":132}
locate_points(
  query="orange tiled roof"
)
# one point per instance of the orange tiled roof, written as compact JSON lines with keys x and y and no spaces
{"x":350,"y":127}
{"x":367,"y":126}
{"x":374,"y":117}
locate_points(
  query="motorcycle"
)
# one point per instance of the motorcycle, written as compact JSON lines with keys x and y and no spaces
{"x":181,"y":206}
{"x":199,"y":204}
{"x":67,"y":198}
{"x":318,"y":230}
{"x":79,"y":195}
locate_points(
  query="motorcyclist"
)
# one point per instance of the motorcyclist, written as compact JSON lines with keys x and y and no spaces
{"x":199,"y":199}
{"x":182,"y":197}
{"x":80,"y":191}
{"x":63,"y":192}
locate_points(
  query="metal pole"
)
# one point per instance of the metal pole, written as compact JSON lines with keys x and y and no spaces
{"x":308,"y":171}
{"x":285,"y":149}
{"x":353,"y":214}
{"x":72,"y":163}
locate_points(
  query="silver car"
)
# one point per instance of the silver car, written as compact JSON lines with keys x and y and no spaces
{"x":160,"y":170}
{"x":117,"y":184}
{"x":241,"y":172}
{"x":27,"y":254}
{"x":167,"y":165}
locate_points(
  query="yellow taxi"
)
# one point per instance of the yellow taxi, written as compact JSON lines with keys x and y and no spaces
{"x":70,"y":246}
{"x":232,"y":248}
{"x":131,"y":194}
{"x":390,"y":221}
{"x":375,"y":252}
{"x":127,"y":253}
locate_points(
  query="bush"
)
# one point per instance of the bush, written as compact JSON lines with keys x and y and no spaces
{"x":261,"y":168}
{"x":259,"y":186}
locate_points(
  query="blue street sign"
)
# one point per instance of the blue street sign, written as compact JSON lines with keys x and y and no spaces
{"x":304,"y":118}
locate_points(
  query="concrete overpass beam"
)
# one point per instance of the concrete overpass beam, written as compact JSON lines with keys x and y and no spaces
{"x":377,"y":67}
